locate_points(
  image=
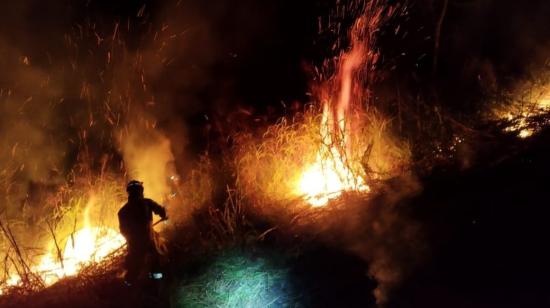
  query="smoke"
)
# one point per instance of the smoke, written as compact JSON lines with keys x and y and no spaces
{"x":80,"y":73}
{"x":148,"y":157}
{"x":29,"y":149}
{"x":392,"y":240}
{"x":378,"y":228}
{"x":71,"y":99}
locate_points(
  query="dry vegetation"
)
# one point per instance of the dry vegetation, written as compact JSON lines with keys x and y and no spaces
{"x":269,"y":166}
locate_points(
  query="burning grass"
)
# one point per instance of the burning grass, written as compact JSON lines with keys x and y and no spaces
{"x":75,"y":225}
{"x":79,"y":230}
{"x":526,"y":110}
{"x":96,"y":280}
{"x":278,"y":167}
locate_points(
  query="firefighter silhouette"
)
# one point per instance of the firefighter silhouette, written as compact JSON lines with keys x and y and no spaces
{"x":144,"y":247}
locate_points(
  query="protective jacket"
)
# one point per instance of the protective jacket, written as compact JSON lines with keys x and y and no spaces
{"x":136,"y":218}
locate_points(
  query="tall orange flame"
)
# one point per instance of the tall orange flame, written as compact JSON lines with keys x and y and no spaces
{"x":332,"y":173}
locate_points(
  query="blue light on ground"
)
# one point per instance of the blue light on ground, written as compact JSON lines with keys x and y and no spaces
{"x":238,"y":280}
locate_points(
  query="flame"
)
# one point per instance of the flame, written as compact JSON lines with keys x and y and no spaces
{"x":87,"y":245}
{"x":327,"y":179}
{"x":329,"y":176}
{"x":331,"y":173}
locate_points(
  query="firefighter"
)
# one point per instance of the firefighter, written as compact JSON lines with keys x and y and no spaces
{"x":135,"y":220}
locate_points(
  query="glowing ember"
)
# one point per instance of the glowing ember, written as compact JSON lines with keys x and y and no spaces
{"x":521,"y":114}
{"x":520,"y":123}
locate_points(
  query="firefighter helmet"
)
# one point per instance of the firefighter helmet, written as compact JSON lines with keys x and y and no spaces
{"x":134,"y":186}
